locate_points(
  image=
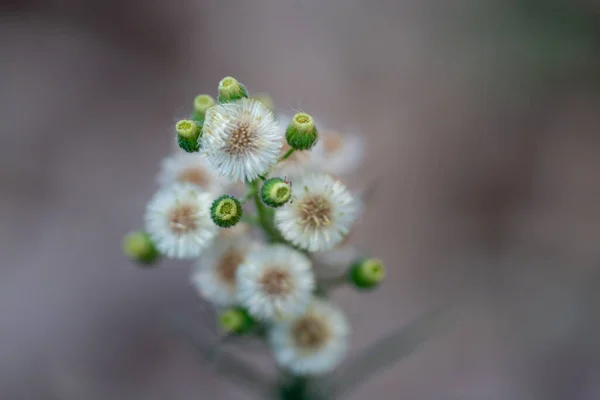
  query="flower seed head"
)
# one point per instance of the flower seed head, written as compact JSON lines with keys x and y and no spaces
{"x":367,"y":273}
{"x":301,"y":133}
{"x":202,"y":103}
{"x":139,"y":248}
{"x":275,"y":192}
{"x":188,"y":133}
{"x":235,"y":320}
{"x":231,"y":90}
{"x":226,"y":211}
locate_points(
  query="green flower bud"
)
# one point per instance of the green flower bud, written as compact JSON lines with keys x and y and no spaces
{"x":265,"y":99}
{"x":202,"y":103}
{"x":301,"y":133}
{"x":231,"y":90}
{"x":367,"y":273}
{"x":275,"y":192}
{"x":226,"y":211}
{"x":139,"y":248}
{"x":235,"y":320}
{"x":188,"y":133}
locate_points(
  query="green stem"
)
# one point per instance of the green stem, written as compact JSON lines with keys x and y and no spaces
{"x":265,"y":215}
{"x":249,"y":194}
{"x":286,"y":155}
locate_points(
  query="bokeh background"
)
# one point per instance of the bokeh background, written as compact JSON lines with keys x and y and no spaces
{"x":482,"y":121}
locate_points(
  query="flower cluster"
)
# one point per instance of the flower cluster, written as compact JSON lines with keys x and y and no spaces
{"x":255,"y":200}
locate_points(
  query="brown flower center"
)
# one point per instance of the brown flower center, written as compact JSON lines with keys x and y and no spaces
{"x":332,"y":142}
{"x":241,"y":140}
{"x":229,"y":264}
{"x":309,"y":333}
{"x":315,"y":211}
{"x":276,"y":282}
{"x":196,"y":176}
{"x":182,"y":218}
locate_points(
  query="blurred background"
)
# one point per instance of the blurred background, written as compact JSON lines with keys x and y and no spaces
{"x":482,"y":121}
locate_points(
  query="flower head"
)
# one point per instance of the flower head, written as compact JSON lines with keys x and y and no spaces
{"x":314,"y":343}
{"x":320,"y":214}
{"x":301,"y":133}
{"x":241,"y":140}
{"x":275,"y":282}
{"x":139,"y":247}
{"x":230,"y":90}
{"x":188,"y":133}
{"x":337,"y":154}
{"x":178,"y":221}
{"x":367,"y":273}
{"x":235,"y":320}
{"x":189,"y":168}
{"x":275,"y":192}
{"x":226,"y":211}
{"x":202,"y":102}
{"x":215,"y":274}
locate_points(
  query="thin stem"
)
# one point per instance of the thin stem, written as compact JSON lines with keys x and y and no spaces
{"x":265,"y":215}
{"x":286,"y":155}
{"x":249,"y":194}
{"x":250,"y":219}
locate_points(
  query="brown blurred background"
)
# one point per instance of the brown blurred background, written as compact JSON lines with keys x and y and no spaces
{"x":483,"y":127}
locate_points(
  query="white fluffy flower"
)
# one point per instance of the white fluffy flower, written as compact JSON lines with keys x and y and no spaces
{"x":241,"y":140}
{"x":178,"y":221}
{"x":319,"y":215}
{"x":275,"y":282}
{"x":335,"y":262}
{"x":314,"y":343}
{"x":214,"y":274}
{"x":337,"y":154}
{"x":189,"y":168}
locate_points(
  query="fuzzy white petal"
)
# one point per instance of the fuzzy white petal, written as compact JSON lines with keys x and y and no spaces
{"x":158,"y":225}
{"x":262,"y":305}
{"x":312,"y":361}
{"x":343,"y":213}
{"x":222,"y":121}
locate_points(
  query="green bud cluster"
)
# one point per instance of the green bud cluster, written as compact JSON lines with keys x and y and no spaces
{"x":226,"y":211}
{"x":188,"y":133}
{"x":139,"y":248}
{"x":301,"y":133}
{"x":275,"y":192}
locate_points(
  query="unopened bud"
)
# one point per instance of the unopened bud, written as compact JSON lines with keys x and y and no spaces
{"x":231,"y":90}
{"x":235,"y":320}
{"x":275,"y":192}
{"x":226,"y":211}
{"x":301,"y":133}
{"x":139,"y":248}
{"x":188,"y":133}
{"x":202,"y":103}
{"x":367,"y":273}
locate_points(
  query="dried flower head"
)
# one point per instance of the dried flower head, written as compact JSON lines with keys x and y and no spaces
{"x":320,"y":215}
{"x":275,"y":282}
{"x":178,"y":221}
{"x":241,"y":140}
